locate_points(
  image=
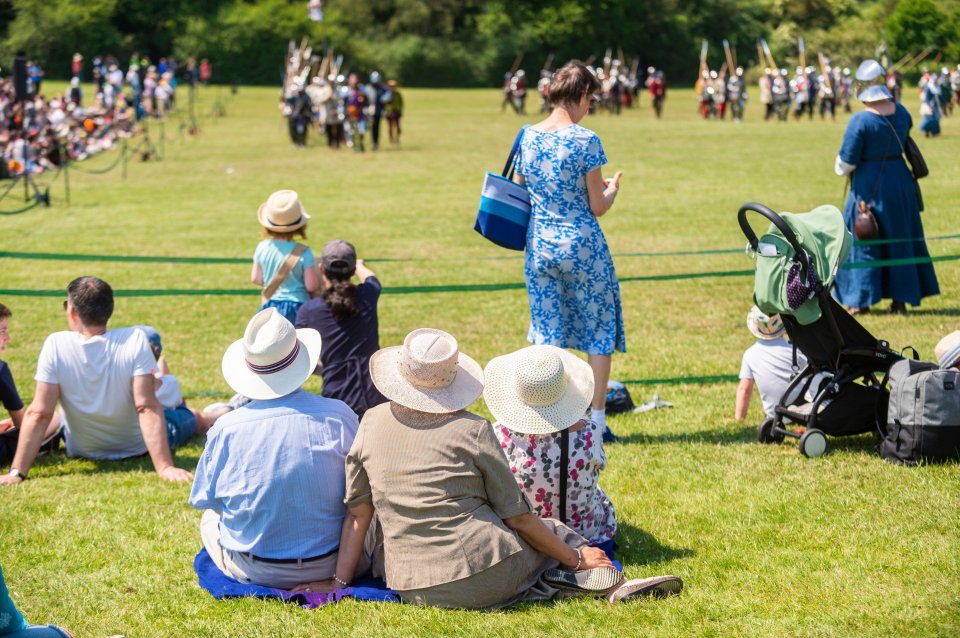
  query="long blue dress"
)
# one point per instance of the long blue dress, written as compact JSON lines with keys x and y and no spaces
{"x":930,"y":123}
{"x":883,"y":179}
{"x":571,"y":282}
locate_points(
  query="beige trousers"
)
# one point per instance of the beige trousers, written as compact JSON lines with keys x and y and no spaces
{"x":280,"y":575}
{"x":514,"y":580}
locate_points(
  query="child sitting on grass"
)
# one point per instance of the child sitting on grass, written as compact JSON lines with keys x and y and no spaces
{"x":768,"y":363}
{"x":184,"y":421}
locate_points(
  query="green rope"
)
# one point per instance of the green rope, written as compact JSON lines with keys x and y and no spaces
{"x":409,"y":290}
{"x":161,"y":259}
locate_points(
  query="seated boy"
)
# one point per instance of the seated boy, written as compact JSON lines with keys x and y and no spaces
{"x":182,"y":422}
{"x":768,"y":363}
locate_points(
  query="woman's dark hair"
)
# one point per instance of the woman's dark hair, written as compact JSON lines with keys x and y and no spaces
{"x":572,"y":82}
{"x":341,"y":296}
{"x":92,"y":298}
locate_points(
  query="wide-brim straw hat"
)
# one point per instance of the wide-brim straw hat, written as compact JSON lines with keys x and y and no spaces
{"x":764,"y":327}
{"x":538,"y":390}
{"x":272,"y":359}
{"x":282,"y":212}
{"x":427,"y":373}
{"x":947,"y":350}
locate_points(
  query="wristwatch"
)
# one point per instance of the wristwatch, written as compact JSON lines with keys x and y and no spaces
{"x":17,"y":473}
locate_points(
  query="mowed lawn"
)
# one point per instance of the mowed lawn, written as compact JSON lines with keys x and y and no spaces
{"x":769,"y":543}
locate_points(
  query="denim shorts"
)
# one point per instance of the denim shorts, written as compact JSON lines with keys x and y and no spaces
{"x":181,"y":425}
{"x":286,"y":308}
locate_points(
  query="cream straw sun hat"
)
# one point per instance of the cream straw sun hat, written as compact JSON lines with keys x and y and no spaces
{"x":282,"y":212}
{"x":273,"y":359}
{"x":538,"y":390}
{"x":427,"y":373}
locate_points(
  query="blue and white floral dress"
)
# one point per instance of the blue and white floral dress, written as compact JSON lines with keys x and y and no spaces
{"x":571,"y":282}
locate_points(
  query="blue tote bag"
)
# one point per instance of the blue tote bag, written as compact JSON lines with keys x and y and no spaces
{"x":504,"y":205}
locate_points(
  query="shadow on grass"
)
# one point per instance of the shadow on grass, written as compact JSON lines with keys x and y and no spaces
{"x":866,"y":444}
{"x":639,"y":547}
{"x":935,"y":312}
{"x":736,"y":435}
{"x":59,"y":464}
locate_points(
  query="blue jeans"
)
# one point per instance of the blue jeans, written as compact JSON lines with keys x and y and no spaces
{"x":181,"y":425}
{"x":286,"y":308}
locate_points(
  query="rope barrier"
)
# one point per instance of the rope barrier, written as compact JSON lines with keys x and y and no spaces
{"x":443,"y":288}
{"x":75,"y":164}
{"x":161,"y":259}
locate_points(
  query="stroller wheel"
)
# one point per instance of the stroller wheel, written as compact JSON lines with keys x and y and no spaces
{"x":813,"y":443}
{"x":765,"y":433}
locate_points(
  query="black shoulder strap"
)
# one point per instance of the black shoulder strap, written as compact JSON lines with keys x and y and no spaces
{"x":564,"y":471}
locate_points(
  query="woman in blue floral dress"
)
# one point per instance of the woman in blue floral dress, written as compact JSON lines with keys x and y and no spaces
{"x":571,"y":282}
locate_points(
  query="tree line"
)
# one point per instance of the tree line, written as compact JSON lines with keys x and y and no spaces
{"x":471,"y":42}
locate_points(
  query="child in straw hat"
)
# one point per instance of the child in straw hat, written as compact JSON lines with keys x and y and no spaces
{"x":284,"y":219}
{"x":768,"y":363}
{"x":534,"y":409}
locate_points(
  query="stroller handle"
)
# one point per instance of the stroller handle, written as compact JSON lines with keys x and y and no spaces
{"x":774,"y":218}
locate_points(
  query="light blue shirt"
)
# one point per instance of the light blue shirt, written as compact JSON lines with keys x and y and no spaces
{"x":274,"y":470}
{"x":270,"y":254}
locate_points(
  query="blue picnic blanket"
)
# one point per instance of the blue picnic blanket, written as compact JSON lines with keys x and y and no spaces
{"x":222,"y":586}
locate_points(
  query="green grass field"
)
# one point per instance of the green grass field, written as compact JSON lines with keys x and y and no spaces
{"x":769,"y":543}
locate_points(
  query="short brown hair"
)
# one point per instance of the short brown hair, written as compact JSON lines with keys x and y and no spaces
{"x":92,"y":298}
{"x":291,"y":236}
{"x":571,"y":83}
{"x":5,"y":312}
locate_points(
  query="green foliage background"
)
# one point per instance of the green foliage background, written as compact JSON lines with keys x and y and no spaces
{"x":470,"y":42}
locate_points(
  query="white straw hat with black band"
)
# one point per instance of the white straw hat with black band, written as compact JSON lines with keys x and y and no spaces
{"x":538,"y":390}
{"x":282,"y":212}
{"x":272,"y":359}
{"x":427,"y":373}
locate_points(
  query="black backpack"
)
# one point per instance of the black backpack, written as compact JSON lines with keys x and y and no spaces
{"x":923,"y":416}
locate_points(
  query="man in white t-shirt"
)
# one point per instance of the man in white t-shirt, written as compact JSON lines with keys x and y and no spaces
{"x":103,"y":380}
{"x":768,"y":363}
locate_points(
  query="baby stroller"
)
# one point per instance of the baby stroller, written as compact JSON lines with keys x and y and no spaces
{"x":838,"y":392}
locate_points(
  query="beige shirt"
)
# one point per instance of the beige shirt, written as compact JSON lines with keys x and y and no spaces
{"x":441,"y":488}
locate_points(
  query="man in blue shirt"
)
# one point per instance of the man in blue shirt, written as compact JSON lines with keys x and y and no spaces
{"x":271,"y":476}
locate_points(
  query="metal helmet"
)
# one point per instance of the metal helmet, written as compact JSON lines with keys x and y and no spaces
{"x":375,"y":77}
{"x":872,"y":82}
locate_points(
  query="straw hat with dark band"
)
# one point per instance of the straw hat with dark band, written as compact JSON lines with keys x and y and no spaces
{"x":282,"y":212}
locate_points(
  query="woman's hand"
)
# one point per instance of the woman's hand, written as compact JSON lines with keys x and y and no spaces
{"x":317,"y":586}
{"x":592,"y":557}
{"x":613,"y":184}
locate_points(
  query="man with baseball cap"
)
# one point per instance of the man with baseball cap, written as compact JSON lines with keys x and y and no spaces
{"x":271,"y":477}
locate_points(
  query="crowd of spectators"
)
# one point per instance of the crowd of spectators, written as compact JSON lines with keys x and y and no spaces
{"x":40,"y":132}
